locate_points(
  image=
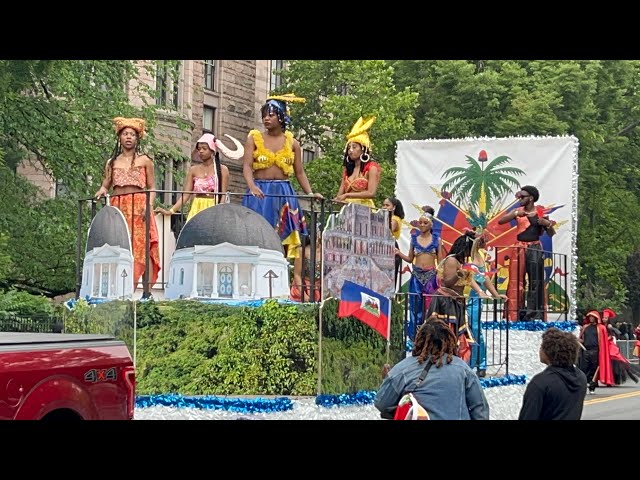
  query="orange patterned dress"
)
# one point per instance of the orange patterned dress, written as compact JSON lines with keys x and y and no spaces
{"x":133,"y":206}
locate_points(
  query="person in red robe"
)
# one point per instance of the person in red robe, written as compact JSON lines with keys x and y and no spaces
{"x":621,"y":369}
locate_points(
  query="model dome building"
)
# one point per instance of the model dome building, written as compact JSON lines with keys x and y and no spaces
{"x":228,"y":252}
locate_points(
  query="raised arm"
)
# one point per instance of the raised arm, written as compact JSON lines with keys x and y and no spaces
{"x":507,"y":217}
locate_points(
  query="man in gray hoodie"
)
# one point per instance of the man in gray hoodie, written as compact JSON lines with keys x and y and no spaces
{"x":556,"y":393}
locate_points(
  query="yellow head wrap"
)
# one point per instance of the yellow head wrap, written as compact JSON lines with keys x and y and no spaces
{"x":359,"y":133}
{"x":136,"y":123}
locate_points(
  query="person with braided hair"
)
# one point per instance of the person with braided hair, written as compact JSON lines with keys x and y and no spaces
{"x":129,"y":173}
{"x":207,"y":179}
{"x":449,"y":391}
{"x":269,"y":160}
{"x":361,"y":175}
{"x":448,"y":303}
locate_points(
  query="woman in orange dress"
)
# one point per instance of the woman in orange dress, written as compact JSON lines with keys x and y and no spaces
{"x":361,"y":175}
{"x":128,"y":172}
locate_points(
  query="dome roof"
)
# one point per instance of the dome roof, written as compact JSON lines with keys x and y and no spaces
{"x":229,"y":222}
{"x":108,"y":226}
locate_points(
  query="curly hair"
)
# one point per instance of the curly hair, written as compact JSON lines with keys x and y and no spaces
{"x":560,"y":347}
{"x":435,"y":340}
{"x":533,"y":191}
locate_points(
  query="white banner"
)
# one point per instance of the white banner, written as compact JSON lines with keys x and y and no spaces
{"x":472,"y":182}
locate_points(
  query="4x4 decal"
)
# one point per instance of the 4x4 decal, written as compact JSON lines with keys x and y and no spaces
{"x":101,"y":375}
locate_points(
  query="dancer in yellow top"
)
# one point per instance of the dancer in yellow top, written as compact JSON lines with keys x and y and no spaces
{"x":269,"y":160}
{"x":361,"y":175}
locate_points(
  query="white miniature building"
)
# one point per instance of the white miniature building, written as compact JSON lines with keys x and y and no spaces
{"x":107,"y":271}
{"x":228,"y":252}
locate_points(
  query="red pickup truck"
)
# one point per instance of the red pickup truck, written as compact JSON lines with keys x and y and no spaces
{"x":61,"y":376}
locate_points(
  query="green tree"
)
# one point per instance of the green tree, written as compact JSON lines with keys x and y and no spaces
{"x":337,"y":93}
{"x":594,"y":100}
{"x":57,"y":115}
{"x":5,"y":259}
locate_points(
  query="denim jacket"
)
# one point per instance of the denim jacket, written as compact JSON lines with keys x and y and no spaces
{"x":450,"y":392}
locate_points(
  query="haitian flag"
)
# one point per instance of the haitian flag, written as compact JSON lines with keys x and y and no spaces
{"x":365,"y":305}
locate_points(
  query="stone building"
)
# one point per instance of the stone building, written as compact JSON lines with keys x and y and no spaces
{"x":222,"y":96}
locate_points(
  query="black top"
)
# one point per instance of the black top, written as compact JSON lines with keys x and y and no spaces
{"x":590,"y":337}
{"x":533,"y":232}
{"x":554,"y":394}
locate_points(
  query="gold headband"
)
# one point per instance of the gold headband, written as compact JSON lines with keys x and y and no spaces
{"x":288,"y":98}
{"x":136,"y":123}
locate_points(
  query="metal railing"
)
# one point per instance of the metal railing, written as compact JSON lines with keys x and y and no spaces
{"x":31,"y":323}
{"x":316,"y":211}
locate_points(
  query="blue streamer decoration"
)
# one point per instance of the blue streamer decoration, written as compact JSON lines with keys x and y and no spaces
{"x":282,"y":404}
{"x":503,"y":381}
{"x":531,"y":326}
{"x":211,"y":402}
{"x":363,"y":397}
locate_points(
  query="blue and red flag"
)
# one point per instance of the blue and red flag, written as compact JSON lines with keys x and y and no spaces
{"x":366,"y":305}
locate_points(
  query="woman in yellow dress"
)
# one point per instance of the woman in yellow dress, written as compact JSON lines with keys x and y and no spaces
{"x":361,"y":175}
{"x":206,"y":181}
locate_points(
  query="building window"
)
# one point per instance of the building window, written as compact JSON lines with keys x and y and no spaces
{"x":205,"y":279}
{"x":210,"y":74}
{"x":167,"y":83}
{"x":308,"y":155}
{"x":225,"y":282}
{"x":209,"y":119}
{"x":61,"y":189}
{"x":182,"y":276}
{"x":276,"y":67}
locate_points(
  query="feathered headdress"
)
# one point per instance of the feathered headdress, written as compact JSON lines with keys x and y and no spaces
{"x":280,"y":103}
{"x":136,"y":123}
{"x":359,"y":133}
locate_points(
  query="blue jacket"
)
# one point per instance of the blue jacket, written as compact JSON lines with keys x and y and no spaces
{"x":451,"y":392}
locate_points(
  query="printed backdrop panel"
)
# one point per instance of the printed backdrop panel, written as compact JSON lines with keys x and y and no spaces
{"x":357,"y":245}
{"x":471,"y":182}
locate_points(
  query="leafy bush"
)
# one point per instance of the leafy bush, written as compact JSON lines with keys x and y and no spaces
{"x":193,"y":348}
{"x":14,"y":302}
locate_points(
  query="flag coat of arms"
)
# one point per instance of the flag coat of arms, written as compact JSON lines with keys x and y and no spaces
{"x":365,"y":305}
